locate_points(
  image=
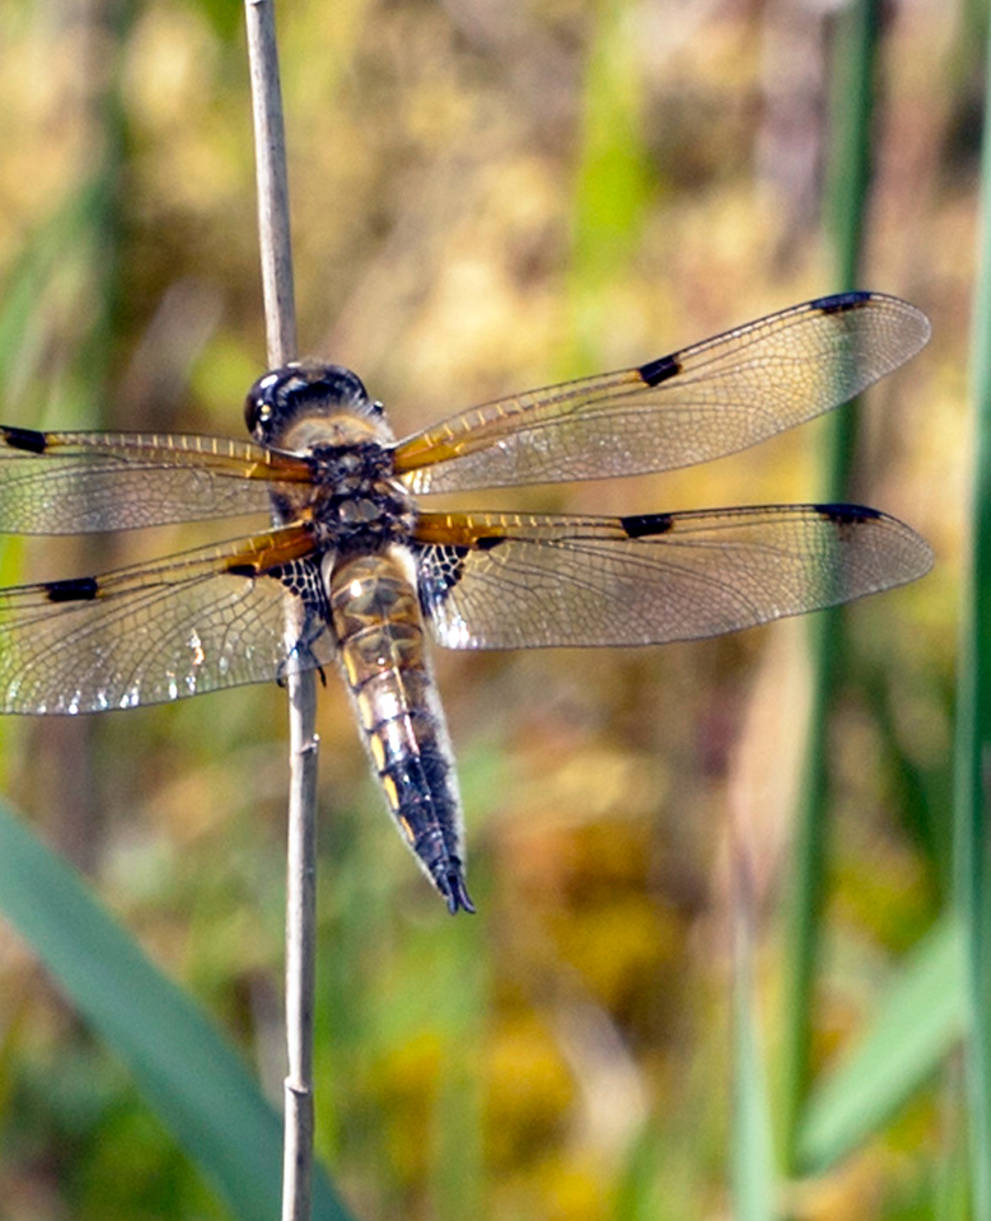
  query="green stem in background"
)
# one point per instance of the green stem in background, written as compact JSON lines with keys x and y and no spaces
{"x":852,"y":118}
{"x":854,"y":56}
{"x":973,"y":736}
{"x":611,"y":193}
{"x":752,"y":1170}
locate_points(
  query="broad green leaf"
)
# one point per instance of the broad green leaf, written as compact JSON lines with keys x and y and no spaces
{"x":189,"y":1074}
{"x":920,"y":1020}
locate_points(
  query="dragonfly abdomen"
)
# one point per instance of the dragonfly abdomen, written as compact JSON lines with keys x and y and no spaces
{"x":376,"y":617}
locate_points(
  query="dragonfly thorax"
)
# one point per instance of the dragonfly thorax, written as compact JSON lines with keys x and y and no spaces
{"x":354,"y":503}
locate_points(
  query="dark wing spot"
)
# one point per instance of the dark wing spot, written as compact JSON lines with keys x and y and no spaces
{"x":486,"y":542}
{"x":78,"y":589}
{"x":242,"y":570}
{"x":656,"y":371}
{"x":25,"y":438}
{"x":439,"y":569}
{"x":641,"y":525}
{"x":846,"y":515}
{"x":302,"y":578}
{"x":840,"y":302}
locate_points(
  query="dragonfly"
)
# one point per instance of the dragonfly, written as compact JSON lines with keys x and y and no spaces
{"x":364,"y":575}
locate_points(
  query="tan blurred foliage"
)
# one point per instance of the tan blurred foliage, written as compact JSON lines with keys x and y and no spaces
{"x":486,"y":197}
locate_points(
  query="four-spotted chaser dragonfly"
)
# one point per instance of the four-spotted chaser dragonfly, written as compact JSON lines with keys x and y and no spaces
{"x":365,"y":570}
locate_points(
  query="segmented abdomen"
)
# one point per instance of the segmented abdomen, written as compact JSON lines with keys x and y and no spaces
{"x":379,"y":629}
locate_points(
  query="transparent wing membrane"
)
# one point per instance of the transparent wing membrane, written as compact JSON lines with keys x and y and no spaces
{"x":72,"y":483}
{"x":215,"y":617}
{"x":209,"y":618}
{"x":509,"y":581}
{"x":713,"y":398}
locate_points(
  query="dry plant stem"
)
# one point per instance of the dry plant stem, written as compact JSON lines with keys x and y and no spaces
{"x":280,"y":322}
{"x":300,"y":949}
{"x":273,"y":183}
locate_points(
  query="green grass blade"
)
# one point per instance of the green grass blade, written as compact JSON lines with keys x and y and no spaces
{"x":920,"y":1020}
{"x":754,"y":1178}
{"x":612,"y":186}
{"x":973,"y":736}
{"x":27,"y":279}
{"x":951,"y":1183}
{"x":189,"y":1074}
{"x":852,"y":108}
{"x":852,"y":114}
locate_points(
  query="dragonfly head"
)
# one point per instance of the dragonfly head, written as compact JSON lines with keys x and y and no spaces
{"x":306,"y":403}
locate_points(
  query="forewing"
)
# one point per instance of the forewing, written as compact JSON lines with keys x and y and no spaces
{"x":74,"y":482}
{"x":513,"y":581}
{"x":714,"y":398}
{"x":210,"y":618}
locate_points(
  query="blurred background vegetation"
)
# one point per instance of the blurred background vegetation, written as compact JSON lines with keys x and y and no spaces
{"x":488,"y":197}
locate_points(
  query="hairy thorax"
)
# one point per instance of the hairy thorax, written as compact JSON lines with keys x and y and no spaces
{"x":355,"y":504}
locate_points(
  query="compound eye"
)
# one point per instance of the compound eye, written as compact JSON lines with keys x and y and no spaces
{"x":251,"y":411}
{"x":281,"y":395}
{"x":258,"y":406}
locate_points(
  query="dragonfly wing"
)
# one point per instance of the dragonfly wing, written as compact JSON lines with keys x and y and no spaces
{"x":74,"y":482}
{"x":209,"y":618}
{"x":713,"y":398}
{"x":494,"y":581}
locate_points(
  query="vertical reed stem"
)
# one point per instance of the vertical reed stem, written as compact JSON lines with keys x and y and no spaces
{"x":854,"y":58}
{"x":972,"y":778}
{"x":280,"y":322}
